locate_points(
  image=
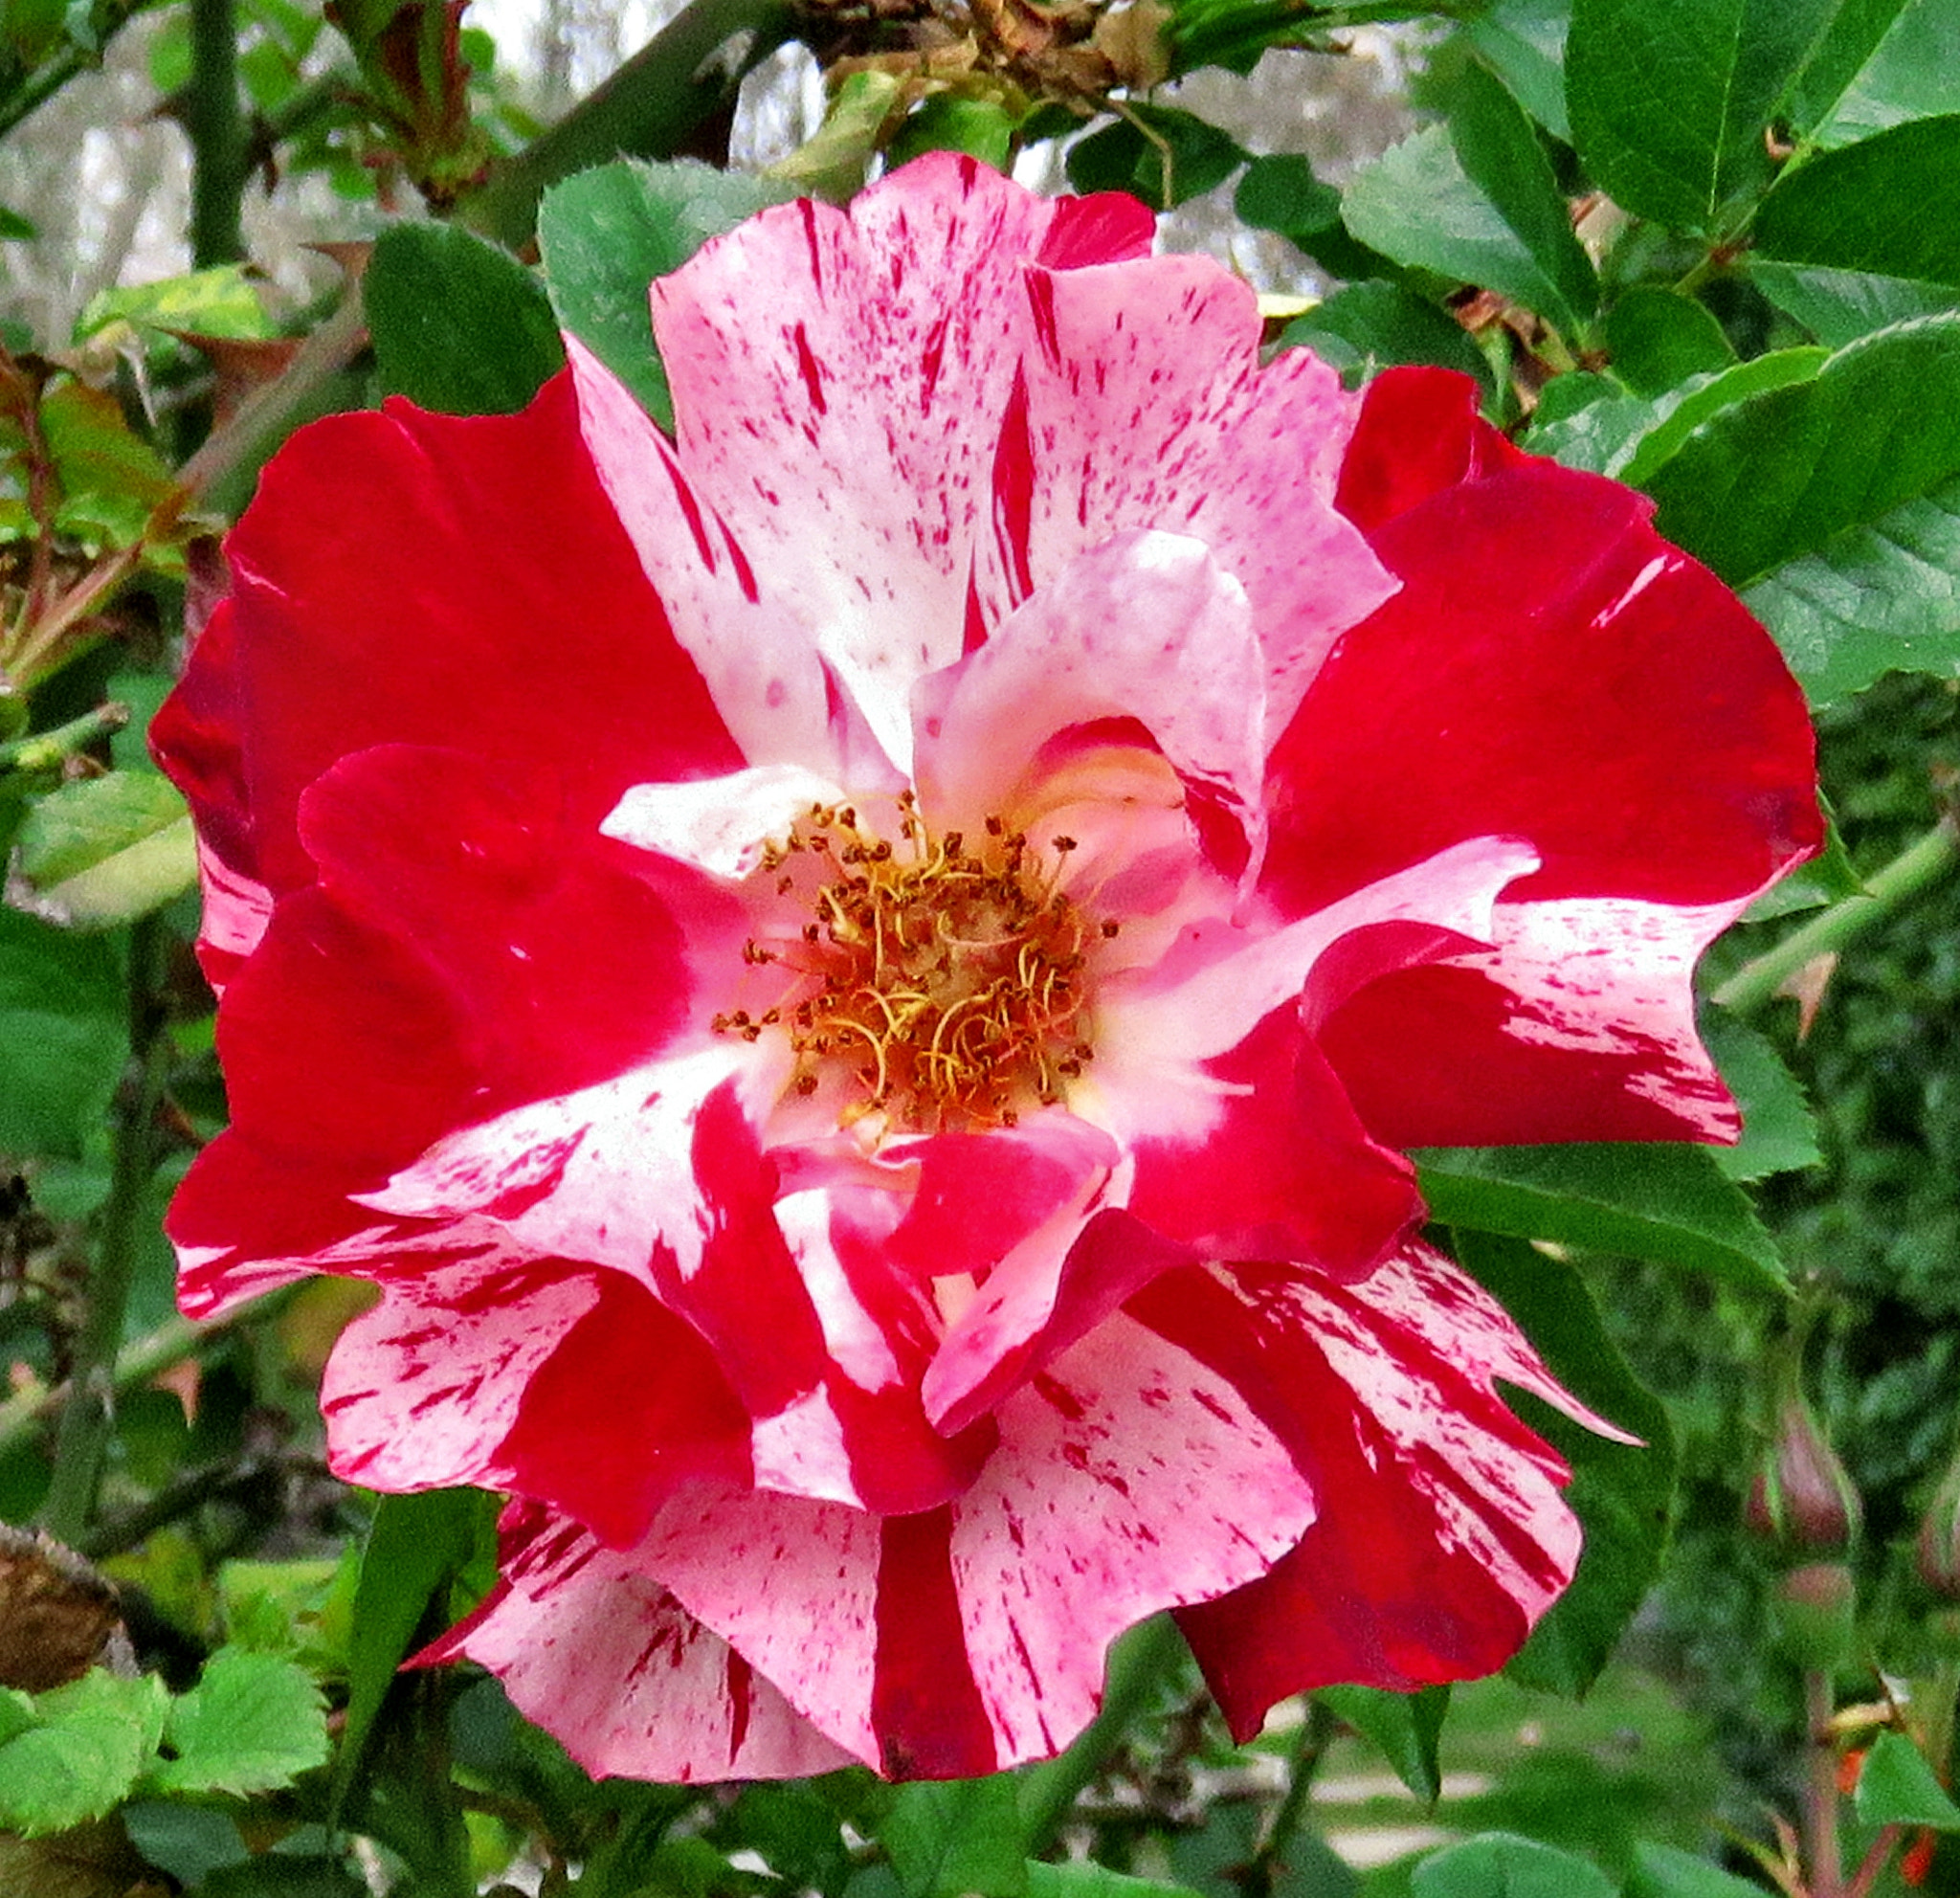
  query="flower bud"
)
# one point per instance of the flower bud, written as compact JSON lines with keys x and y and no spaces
{"x":1802,"y":1499}
{"x":1937,"y":1553}
{"x":1816,"y":1614}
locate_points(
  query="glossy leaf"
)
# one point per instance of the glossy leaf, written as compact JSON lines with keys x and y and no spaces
{"x":1084,"y":1878}
{"x":1418,"y":205}
{"x":458,"y":324}
{"x":253,"y":1723}
{"x":1839,"y":306}
{"x":606,"y":234}
{"x":64,"y":1036}
{"x":1659,"y":339}
{"x":956,"y":1837}
{"x":1897,"y":1787}
{"x":1779,"y":474}
{"x":83,"y":1752}
{"x":1778,"y":1134}
{"x":1501,"y":1864}
{"x":1525,"y":43}
{"x":1669,"y":98}
{"x":1157,"y":153}
{"x":1280,"y":192}
{"x":1368,"y":327}
{"x":1665,"y":1871}
{"x":1622,"y":1493}
{"x":1666,"y":1203}
{"x":1502,"y":155}
{"x":1685,"y":411}
{"x":104,"y":850}
{"x":1879,"y":64}
{"x":1889,"y":205}
{"x":949,"y":122}
{"x":1405,"y":1728}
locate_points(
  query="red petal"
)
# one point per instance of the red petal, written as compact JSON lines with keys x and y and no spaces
{"x":428,"y":597}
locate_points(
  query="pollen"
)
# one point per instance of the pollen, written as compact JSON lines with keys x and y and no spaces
{"x":937,"y":986}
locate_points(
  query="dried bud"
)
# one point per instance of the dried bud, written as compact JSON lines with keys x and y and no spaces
{"x":1817,"y":1611}
{"x":1801,"y":1498}
{"x":1937,"y":1553}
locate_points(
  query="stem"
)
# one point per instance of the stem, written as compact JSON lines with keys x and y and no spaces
{"x":1138,"y":1665}
{"x":1316,"y":1735}
{"x":1878,"y":1855}
{"x":646,"y":109}
{"x":216,"y":131}
{"x":87,"y":1417}
{"x":1820,"y":1791}
{"x":1912,"y":871}
{"x":48,"y":751}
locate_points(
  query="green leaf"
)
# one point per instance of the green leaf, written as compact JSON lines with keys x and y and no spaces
{"x":1368,"y":327}
{"x":253,"y":1723}
{"x":1280,"y":192}
{"x":1880,"y":598}
{"x":458,"y":324}
{"x":1083,"y":1878}
{"x":418,"y":1546}
{"x":606,"y":233}
{"x":1778,"y":1134}
{"x":14,"y":227}
{"x":1779,"y":474}
{"x":1670,"y":98}
{"x":1622,"y":1493}
{"x":1155,"y":144}
{"x":1417,"y":205}
{"x":105,"y":850}
{"x":1839,"y":306}
{"x":80,"y":1761}
{"x":63,"y":1034}
{"x":110,"y":477}
{"x":1684,"y":411}
{"x":277,"y":1875}
{"x":189,"y":1843}
{"x":1889,"y":205}
{"x":1897,"y":1787}
{"x":221,"y":302}
{"x":1658,"y":340}
{"x":1525,"y":43}
{"x":945,"y":122}
{"x":1499,"y":1864}
{"x":1404,"y":1728}
{"x":1503,"y":156}
{"x":1659,"y":1201}
{"x":1663,"y":1871}
{"x":957,"y":1836}
{"x":1882,"y":63}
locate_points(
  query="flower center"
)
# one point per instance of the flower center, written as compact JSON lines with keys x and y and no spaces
{"x":938,"y":985}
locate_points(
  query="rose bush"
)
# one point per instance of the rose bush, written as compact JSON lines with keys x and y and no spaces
{"x":857,"y":978}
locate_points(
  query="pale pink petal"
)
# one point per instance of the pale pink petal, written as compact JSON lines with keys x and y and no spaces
{"x":720,"y":824}
{"x":830,"y":337}
{"x":1130,"y":1477}
{"x":589,"y":1645}
{"x":1142,"y":405}
{"x":1147,"y":627}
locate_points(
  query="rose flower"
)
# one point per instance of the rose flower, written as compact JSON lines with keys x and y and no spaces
{"x":855,"y":978}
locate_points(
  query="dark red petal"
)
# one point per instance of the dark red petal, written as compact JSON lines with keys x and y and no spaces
{"x":1552,"y":670}
{"x":1418,"y":434}
{"x":425,"y":579}
{"x":1288,"y":1171}
{"x":1440,"y":1536}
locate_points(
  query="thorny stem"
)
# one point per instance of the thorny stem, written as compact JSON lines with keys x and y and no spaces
{"x":216,"y":129}
{"x":646,"y":109}
{"x":87,"y":1417}
{"x":48,"y":751}
{"x":1316,"y":1735}
{"x":1891,"y":888}
{"x":1138,"y":1666}
{"x":1820,"y":1790}
{"x":1878,"y":1855}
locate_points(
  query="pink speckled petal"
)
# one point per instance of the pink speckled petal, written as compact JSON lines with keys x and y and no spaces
{"x":590,"y":1646}
{"x":1162,"y":357}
